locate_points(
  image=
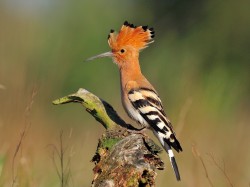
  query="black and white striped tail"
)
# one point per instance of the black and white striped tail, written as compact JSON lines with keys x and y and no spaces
{"x":172,"y":159}
{"x":147,"y":110}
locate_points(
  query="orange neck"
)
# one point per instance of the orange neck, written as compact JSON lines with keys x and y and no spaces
{"x":130,"y":71}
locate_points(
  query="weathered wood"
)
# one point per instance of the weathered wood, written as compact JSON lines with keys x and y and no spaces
{"x":124,"y":156}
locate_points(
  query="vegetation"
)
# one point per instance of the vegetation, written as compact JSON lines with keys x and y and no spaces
{"x":199,"y":63}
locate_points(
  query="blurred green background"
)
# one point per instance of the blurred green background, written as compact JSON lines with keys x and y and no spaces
{"x":199,"y":63}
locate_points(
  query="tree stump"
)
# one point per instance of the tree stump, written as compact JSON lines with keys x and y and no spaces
{"x":124,"y":156}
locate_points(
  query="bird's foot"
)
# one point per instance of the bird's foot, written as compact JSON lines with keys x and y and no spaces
{"x":138,"y":131}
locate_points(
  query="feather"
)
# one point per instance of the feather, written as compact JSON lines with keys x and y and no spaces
{"x":146,"y":104}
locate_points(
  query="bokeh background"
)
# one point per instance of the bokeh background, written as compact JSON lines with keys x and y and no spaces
{"x":199,"y":63}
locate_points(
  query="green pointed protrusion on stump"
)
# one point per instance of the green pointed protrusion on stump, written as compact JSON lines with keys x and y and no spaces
{"x":102,"y":111}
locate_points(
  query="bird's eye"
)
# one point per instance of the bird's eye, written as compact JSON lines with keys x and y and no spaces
{"x":122,"y":50}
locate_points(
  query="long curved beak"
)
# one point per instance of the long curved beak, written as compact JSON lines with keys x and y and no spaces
{"x":107,"y":54}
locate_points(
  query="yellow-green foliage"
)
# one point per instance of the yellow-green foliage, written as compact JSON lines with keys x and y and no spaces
{"x":108,"y":143}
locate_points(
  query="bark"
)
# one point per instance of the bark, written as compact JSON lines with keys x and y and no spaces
{"x":124,"y":155}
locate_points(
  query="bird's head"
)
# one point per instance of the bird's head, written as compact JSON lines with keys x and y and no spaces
{"x":126,"y":45}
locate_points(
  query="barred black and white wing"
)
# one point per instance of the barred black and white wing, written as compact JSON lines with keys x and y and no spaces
{"x":146,"y":108}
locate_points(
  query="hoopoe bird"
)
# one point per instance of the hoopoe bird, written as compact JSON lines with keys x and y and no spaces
{"x":139,"y":98}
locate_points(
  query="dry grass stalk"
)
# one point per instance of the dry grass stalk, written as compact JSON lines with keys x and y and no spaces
{"x":62,"y":168}
{"x":221,"y":168}
{"x":196,"y":153}
{"x":183,"y":114}
{"x":22,"y":134}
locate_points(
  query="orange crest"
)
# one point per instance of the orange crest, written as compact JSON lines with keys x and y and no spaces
{"x":130,"y":35}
